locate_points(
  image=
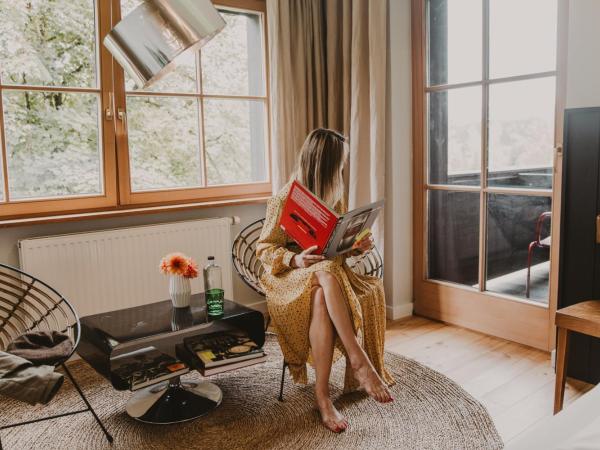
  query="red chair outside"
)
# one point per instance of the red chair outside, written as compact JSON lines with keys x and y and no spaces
{"x":538,"y":243}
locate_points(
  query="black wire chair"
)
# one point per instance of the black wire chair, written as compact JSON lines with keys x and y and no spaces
{"x":28,"y":304}
{"x":250,"y":268}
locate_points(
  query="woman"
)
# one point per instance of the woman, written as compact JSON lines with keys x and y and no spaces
{"x":320,"y":307}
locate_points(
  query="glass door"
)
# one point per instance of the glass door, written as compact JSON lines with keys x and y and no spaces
{"x":485,"y":163}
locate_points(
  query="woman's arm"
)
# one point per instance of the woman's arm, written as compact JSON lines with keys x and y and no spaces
{"x":270,"y":248}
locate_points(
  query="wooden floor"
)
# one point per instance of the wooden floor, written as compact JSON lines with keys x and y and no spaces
{"x":514,"y":382}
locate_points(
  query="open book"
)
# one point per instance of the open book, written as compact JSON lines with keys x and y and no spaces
{"x":308,"y":221}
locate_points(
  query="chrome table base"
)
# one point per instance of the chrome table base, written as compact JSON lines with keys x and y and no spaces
{"x":174,"y":401}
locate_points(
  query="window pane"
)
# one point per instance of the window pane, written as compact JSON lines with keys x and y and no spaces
{"x":232,"y":62}
{"x":455,"y":41}
{"x":129,"y":5}
{"x":521,"y":133}
{"x":235,"y":141}
{"x":49,"y":43}
{"x":512,"y":235}
{"x":453,"y":243}
{"x":522,"y":37}
{"x":455,"y":136}
{"x":164,"y":142}
{"x":52,"y":144}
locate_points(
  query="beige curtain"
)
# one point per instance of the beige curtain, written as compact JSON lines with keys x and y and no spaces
{"x":328,"y":69}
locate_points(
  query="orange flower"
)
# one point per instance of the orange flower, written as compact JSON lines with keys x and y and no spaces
{"x":174,"y":264}
{"x":164,"y":265}
{"x":192,"y":269}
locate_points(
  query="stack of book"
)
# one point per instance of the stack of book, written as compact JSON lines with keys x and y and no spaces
{"x":223,"y":351}
{"x":145,"y":367}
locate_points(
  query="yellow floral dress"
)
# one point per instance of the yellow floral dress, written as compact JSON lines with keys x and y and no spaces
{"x":289,"y":299}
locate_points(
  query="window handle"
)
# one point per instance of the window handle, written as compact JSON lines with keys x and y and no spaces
{"x":122,"y":116}
{"x":108,"y":111}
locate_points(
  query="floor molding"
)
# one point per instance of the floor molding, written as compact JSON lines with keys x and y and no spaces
{"x":396,"y":312}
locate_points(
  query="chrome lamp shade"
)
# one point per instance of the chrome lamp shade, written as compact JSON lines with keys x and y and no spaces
{"x":147,"y":40}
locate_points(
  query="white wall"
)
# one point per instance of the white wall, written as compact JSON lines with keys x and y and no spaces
{"x":10,"y":236}
{"x":583,"y":69}
{"x":398,"y":207}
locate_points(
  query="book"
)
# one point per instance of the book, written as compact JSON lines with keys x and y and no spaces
{"x":184,"y":353}
{"x":145,"y":367}
{"x":222,"y":348}
{"x":309,"y":222}
{"x":233,"y":366}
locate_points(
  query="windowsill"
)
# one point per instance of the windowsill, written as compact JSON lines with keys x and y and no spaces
{"x":129,"y":211}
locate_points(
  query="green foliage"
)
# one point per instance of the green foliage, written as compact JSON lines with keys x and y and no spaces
{"x":51,"y":137}
{"x":48,"y":42}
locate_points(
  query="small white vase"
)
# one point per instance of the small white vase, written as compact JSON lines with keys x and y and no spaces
{"x":180,"y":290}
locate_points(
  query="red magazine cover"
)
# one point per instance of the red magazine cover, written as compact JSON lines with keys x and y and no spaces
{"x":306,"y":220}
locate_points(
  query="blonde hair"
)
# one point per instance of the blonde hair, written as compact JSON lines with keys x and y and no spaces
{"x":320,"y":163}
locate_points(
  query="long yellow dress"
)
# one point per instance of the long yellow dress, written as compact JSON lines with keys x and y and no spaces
{"x":289,"y":299}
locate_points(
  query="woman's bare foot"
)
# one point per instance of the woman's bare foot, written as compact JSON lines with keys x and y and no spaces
{"x":330,"y":416}
{"x":371,"y":382}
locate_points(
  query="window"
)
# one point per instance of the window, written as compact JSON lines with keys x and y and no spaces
{"x":490,"y":94}
{"x":76,"y":135}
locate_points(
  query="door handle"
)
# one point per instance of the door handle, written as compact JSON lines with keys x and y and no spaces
{"x":598,"y":229}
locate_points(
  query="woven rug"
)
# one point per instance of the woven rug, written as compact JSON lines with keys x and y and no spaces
{"x":430,"y":412}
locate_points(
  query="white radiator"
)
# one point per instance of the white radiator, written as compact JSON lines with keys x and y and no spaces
{"x":113,"y":269}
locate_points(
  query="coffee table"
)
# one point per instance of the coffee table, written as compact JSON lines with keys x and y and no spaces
{"x":108,"y":335}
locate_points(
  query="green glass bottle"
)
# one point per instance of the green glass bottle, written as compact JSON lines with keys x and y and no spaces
{"x":213,"y":288}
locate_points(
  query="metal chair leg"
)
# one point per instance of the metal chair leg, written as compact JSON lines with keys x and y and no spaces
{"x":282,"y":381}
{"x":109,"y":438}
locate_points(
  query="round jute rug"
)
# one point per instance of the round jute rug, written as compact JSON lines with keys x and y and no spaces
{"x":430,"y":412}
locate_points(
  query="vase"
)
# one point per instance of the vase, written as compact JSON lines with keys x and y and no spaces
{"x":180,"y":290}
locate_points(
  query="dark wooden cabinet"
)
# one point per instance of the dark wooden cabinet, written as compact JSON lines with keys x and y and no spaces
{"x":579,"y":271}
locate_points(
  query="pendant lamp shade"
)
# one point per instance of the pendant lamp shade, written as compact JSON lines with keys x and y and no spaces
{"x":148,"y":39}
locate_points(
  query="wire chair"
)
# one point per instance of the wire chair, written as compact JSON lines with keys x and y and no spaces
{"x":250,"y":268}
{"x":28,"y":304}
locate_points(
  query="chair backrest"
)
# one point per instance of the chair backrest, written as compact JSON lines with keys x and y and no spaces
{"x":543,"y":217}
{"x":29,"y":304}
{"x":250,"y":268}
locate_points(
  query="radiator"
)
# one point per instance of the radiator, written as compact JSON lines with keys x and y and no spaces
{"x":107,"y":270}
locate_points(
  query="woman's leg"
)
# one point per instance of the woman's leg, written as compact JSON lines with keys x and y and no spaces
{"x":340,"y":316}
{"x":322,"y":339}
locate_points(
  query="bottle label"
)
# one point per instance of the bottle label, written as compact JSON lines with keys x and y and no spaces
{"x":215,"y":302}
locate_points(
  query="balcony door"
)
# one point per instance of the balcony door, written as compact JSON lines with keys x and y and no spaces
{"x":487,"y":109}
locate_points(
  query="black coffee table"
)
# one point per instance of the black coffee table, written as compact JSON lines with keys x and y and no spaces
{"x":108,"y":335}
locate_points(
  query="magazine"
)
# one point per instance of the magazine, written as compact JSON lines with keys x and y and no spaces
{"x":234,"y":366}
{"x":184,"y":353}
{"x":145,"y":367}
{"x":309,"y":222}
{"x":222,"y":347}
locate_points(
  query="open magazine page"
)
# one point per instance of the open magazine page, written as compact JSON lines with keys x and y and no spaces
{"x":350,"y":226}
{"x":306,"y":220}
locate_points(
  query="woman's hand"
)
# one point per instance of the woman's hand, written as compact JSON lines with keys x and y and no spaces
{"x":365,"y":244}
{"x":306,"y":259}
